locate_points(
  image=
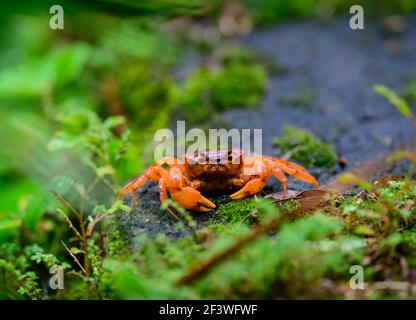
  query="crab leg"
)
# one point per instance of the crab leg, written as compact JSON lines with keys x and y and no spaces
{"x":163,"y":193}
{"x":153,"y":173}
{"x":296,"y":170}
{"x":163,"y":196}
{"x":281,"y":177}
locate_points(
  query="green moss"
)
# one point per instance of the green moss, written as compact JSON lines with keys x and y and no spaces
{"x":287,"y":205}
{"x":272,"y":11}
{"x":368,"y":213}
{"x":238,"y":85}
{"x":232,"y":54}
{"x":305,"y":148}
{"x":268,"y":11}
{"x":235,"y":85}
{"x":146,"y":90}
{"x":115,"y":243}
{"x":147,"y":96}
{"x":234,"y":211}
{"x":236,"y":55}
{"x":195,"y":99}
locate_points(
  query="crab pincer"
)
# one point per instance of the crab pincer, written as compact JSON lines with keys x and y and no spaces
{"x":192,"y":199}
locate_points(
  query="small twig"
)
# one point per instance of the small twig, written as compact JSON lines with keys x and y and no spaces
{"x":252,"y":214}
{"x":92,"y":185}
{"x":73,"y":257}
{"x":70,"y":224}
{"x":290,"y":153}
{"x":92,"y":224}
{"x":203,"y":267}
{"x":83,"y":235}
{"x":67,"y":204}
{"x":173,"y":214}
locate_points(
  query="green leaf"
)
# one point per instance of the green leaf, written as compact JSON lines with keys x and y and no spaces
{"x":75,"y":250}
{"x":26,"y":80}
{"x":114,"y":121}
{"x":35,"y":78}
{"x":364,"y":230}
{"x":60,"y":144}
{"x":394,"y":99}
{"x":352,"y":179}
{"x":68,"y":62}
{"x":105,"y":170}
{"x":10,"y":223}
{"x":118,"y":205}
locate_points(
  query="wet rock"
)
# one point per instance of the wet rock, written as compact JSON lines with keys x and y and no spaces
{"x":150,"y":220}
{"x":393,"y":25}
{"x":342,"y":66}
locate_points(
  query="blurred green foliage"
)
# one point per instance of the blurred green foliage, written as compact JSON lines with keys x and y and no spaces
{"x":235,"y":85}
{"x":396,"y":100}
{"x":297,"y":257}
{"x":42,"y":76}
{"x":270,"y":11}
{"x":147,"y":93}
{"x":409,"y":93}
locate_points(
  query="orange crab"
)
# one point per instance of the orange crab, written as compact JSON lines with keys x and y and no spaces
{"x":214,"y":170}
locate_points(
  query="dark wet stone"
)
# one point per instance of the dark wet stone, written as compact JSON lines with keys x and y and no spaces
{"x":342,"y":66}
{"x":150,"y":220}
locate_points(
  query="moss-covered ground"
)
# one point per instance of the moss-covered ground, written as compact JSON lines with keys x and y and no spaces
{"x":79,"y":109}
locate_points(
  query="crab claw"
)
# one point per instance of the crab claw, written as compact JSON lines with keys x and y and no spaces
{"x":252,"y":187}
{"x":192,"y":199}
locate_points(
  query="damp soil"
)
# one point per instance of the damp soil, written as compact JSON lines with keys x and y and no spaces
{"x":339,"y":66}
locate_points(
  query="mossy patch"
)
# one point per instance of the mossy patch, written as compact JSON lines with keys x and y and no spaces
{"x":235,"y":211}
{"x":238,"y":85}
{"x":147,"y":94}
{"x":207,"y":91}
{"x":305,"y":148}
{"x":271,"y":11}
{"x":236,"y":55}
{"x":146,"y":90}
